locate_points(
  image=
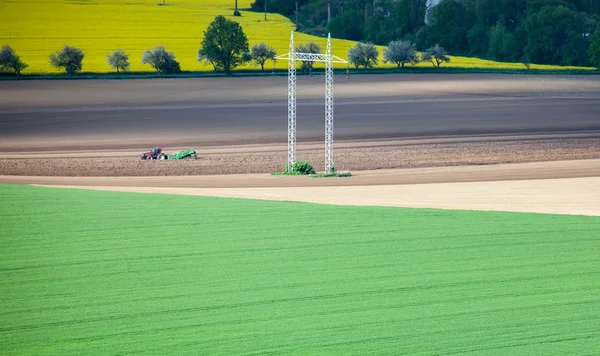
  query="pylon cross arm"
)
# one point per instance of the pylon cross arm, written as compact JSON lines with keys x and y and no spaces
{"x":311,"y":57}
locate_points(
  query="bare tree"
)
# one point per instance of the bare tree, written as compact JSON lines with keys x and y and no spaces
{"x":436,"y":55}
{"x":118,"y":60}
{"x":69,"y":58}
{"x":363,"y":54}
{"x":9,"y":61}
{"x":261,"y":53}
{"x":310,"y":47}
{"x":401,"y":53}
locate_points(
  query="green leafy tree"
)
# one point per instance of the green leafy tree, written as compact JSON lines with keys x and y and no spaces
{"x":534,"y":6}
{"x":436,"y":55}
{"x":118,"y":60}
{"x":9,"y":61}
{"x":349,"y":25}
{"x":310,"y":47}
{"x":285,"y":7}
{"x":387,"y":20}
{"x":499,"y":42}
{"x":417,"y":9}
{"x":489,"y":12}
{"x":70,"y":58}
{"x":401,"y":53}
{"x":478,"y":38}
{"x":423,"y":37}
{"x":450,"y":23}
{"x":555,"y":36}
{"x":225,"y":45}
{"x":594,"y":50}
{"x":363,"y":54}
{"x":161,"y":60}
{"x":519,"y":41}
{"x":261,"y":53}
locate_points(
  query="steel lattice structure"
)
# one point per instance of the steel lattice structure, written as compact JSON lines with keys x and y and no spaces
{"x":292,"y":57}
{"x":291,"y":107}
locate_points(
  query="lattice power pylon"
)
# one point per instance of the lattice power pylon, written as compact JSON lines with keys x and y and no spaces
{"x":292,"y":57}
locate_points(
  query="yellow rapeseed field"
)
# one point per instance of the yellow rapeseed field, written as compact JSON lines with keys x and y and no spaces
{"x":36,"y":28}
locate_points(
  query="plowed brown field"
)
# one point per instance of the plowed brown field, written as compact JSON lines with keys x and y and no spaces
{"x":404,"y":124}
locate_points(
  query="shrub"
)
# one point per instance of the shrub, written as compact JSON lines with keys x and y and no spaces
{"x":118,"y":60}
{"x":594,"y":49}
{"x":301,"y":168}
{"x":436,"y":55}
{"x":328,"y":175}
{"x":161,"y":60}
{"x":261,"y":53}
{"x":363,"y":54}
{"x":9,"y":61}
{"x":400,"y":53}
{"x":69,"y":58}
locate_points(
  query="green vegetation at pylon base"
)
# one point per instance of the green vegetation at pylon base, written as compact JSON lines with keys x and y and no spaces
{"x":91,"y":272}
{"x":301,"y":168}
{"x":315,"y":175}
{"x":329,"y":175}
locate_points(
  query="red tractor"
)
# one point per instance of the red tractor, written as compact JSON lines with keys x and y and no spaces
{"x":154,"y":153}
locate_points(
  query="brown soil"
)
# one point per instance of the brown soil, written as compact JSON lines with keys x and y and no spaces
{"x":394,"y":134}
{"x":269,"y":159}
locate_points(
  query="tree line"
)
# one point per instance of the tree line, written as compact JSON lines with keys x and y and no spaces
{"x":558,"y":32}
{"x":225,"y":47}
{"x":397,"y":52}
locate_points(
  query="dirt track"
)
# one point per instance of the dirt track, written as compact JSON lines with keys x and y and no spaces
{"x":390,"y":130}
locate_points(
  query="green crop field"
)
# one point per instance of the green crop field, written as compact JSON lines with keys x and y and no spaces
{"x":37,"y":28}
{"x":90,"y":272}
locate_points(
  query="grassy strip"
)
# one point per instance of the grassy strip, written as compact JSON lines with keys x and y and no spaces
{"x":267,"y":73}
{"x":315,"y":175}
{"x":326,"y":175}
{"x":88,"y":272}
{"x":286,"y":174}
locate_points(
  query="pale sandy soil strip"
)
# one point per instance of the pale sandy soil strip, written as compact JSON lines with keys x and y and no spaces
{"x":473,"y":173}
{"x":576,"y":196}
{"x":560,"y":187}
